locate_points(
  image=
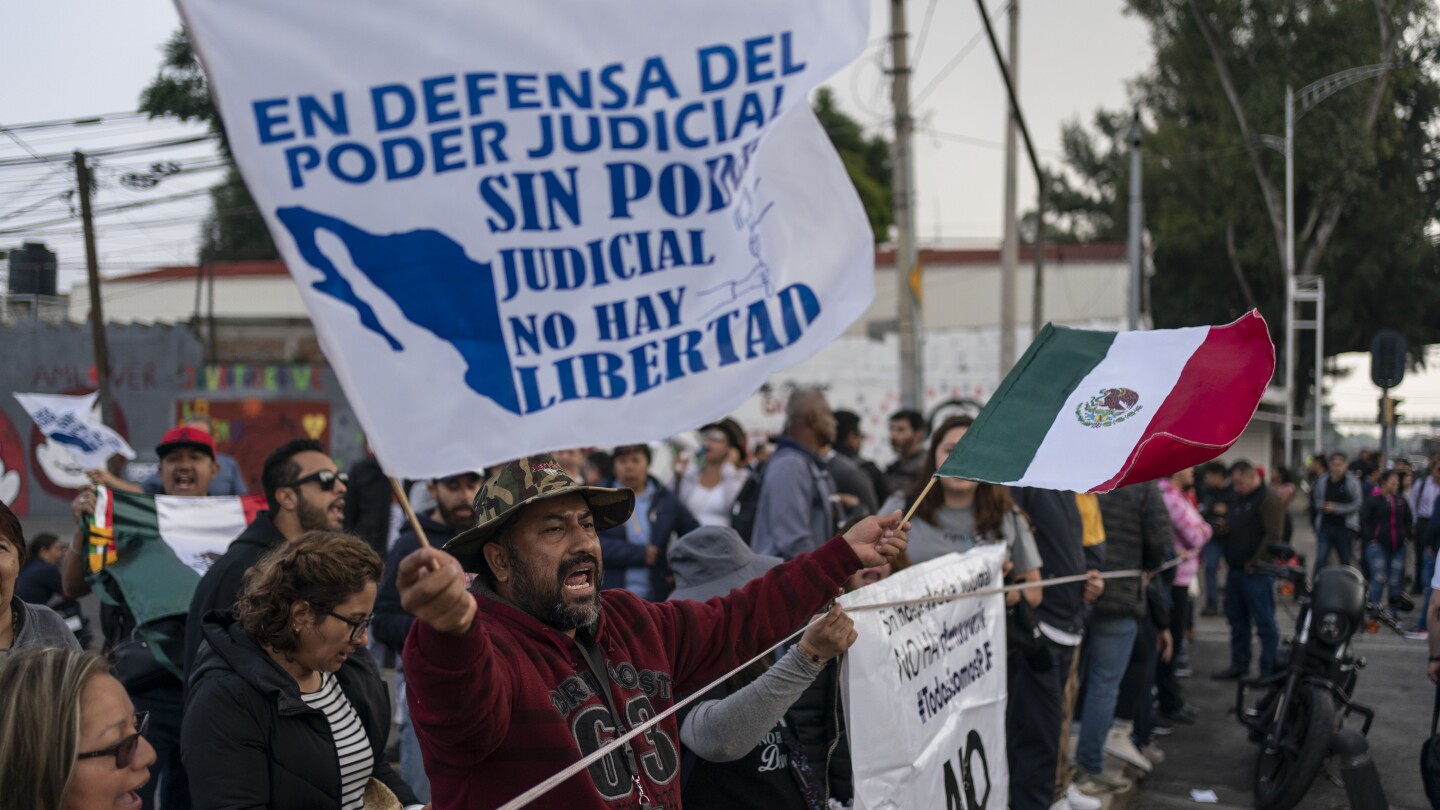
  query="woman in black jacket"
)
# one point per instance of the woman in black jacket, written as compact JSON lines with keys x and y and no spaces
{"x":286,"y":708}
{"x":1385,"y":523}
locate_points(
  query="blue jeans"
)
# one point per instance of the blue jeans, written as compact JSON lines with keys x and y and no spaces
{"x":1109,"y":643}
{"x":412,"y":766}
{"x":1387,"y":567}
{"x":1211,"y":554}
{"x":1250,"y":601}
{"x":1338,"y":538}
{"x":1427,"y":573}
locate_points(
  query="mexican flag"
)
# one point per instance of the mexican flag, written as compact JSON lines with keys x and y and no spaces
{"x":196,"y":531}
{"x":154,"y":549}
{"x":1092,"y":411}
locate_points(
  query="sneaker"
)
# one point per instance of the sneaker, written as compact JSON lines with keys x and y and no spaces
{"x":1162,"y":727}
{"x":1080,"y":801}
{"x":1063,"y":804}
{"x":1417,"y":634}
{"x":1153,"y":753}
{"x":1183,"y":672}
{"x":1119,"y":745}
{"x":1100,"y":784}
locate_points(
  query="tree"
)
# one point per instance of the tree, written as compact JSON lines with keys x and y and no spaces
{"x":234,"y":230}
{"x":1367,"y":180}
{"x":867,"y":160}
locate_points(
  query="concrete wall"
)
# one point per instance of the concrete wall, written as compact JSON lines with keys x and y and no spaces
{"x":172,"y":300}
{"x":157,"y":378}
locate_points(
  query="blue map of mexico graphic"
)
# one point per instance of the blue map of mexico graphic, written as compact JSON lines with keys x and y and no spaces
{"x":439,"y":288}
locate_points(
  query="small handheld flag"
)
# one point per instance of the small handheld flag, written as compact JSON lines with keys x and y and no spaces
{"x":1094,"y":411}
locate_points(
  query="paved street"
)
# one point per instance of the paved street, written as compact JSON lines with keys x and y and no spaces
{"x":1215,"y":753}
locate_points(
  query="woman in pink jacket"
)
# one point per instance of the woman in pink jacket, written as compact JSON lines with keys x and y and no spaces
{"x":1191,"y":533}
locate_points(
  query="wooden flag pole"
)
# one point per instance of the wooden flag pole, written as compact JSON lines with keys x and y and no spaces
{"x":916,"y":504}
{"x":409,"y":512}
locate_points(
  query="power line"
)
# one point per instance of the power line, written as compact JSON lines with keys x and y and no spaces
{"x":49,"y":163}
{"x":957,"y":59}
{"x":109,"y":209}
{"x":924,"y":33}
{"x":32,"y":206}
{"x":91,"y":120}
{"x":118,"y":150}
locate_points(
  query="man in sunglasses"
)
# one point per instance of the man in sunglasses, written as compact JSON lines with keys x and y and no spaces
{"x":305,"y":491}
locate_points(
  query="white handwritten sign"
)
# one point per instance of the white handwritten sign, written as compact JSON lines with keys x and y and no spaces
{"x":525,"y":226}
{"x":925,"y":691}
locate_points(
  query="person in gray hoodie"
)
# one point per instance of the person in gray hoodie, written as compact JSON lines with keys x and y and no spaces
{"x":741,"y":747}
{"x":24,"y":625}
{"x":1337,"y":498}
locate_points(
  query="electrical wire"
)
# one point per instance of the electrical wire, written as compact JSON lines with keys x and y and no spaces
{"x":89,"y":120}
{"x":98,"y":153}
{"x":957,"y":59}
{"x":924,"y":34}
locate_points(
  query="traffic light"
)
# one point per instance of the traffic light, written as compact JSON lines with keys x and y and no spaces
{"x":1387,"y":358}
{"x":1389,"y":410}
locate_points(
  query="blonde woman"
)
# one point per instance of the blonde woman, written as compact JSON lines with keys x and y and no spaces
{"x":71,"y":739}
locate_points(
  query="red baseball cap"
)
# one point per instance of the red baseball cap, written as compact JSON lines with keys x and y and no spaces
{"x":185,"y":436}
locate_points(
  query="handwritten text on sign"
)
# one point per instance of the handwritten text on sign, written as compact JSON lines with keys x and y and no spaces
{"x":553,"y":205}
{"x":945,"y":663}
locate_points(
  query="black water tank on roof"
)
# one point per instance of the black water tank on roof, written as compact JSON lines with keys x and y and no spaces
{"x":32,"y":270}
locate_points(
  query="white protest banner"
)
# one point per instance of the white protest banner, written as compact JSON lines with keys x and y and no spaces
{"x":925,"y":691}
{"x":73,"y":423}
{"x":526,"y":226}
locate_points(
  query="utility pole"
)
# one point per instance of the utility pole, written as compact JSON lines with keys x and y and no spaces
{"x":911,"y":360}
{"x":1137,"y":215}
{"x":1010,"y":248}
{"x":97,"y":310}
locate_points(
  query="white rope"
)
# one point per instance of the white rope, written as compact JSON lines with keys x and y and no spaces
{"x":549,"y":784}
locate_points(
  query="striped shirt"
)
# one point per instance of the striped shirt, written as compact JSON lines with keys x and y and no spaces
{"x":352,"y":744}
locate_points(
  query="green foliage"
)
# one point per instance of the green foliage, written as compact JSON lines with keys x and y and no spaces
{"x":1218,"y":240}
{"x":867,"y":160}
{"x":234,"y":230}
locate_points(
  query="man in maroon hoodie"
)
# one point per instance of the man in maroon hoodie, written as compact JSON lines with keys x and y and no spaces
{"x":539,"y":667}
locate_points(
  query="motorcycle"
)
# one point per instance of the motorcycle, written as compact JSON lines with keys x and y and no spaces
{"x":1309,"y":694}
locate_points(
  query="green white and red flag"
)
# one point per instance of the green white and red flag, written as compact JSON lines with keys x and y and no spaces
{"x":154,"y":549}
{"x":196,"y":531}
{"x":1092,"y":411}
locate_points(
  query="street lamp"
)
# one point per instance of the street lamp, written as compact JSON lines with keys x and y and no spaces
{"x":1309,"y":96}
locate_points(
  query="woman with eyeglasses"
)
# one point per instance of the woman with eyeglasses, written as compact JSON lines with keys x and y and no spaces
{"x":70,"y":739}
{"x":286,"y":708}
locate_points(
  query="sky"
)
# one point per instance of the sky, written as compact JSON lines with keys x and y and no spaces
{"x":78,"y":58}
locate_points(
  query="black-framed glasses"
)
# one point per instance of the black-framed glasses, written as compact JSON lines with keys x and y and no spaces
{"x":325,"y":478}
{"x":124,"y":751}
{"x":357,"y":629}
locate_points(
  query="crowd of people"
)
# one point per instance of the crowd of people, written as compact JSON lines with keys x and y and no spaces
{"x":559,"y":600}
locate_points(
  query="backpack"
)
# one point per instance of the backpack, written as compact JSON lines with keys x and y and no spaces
{"x":747,"y":503}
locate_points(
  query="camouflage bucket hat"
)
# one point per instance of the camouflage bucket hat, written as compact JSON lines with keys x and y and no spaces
{"x":527,"y":480}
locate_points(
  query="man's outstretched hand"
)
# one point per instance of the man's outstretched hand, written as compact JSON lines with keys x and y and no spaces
{"x":878,"y":539}
{"x":432,"y":589}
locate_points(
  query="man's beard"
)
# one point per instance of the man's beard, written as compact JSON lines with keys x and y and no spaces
{"x":312,"y":517}
{"x":447,"y":516}
{"x":544,"y":598}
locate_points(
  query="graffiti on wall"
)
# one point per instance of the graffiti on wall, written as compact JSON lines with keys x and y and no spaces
{"x":13,"y":492}
{"x":249,"y":429}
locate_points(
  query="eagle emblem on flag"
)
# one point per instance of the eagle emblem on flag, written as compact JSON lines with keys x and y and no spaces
{"x":1109,"y":407}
